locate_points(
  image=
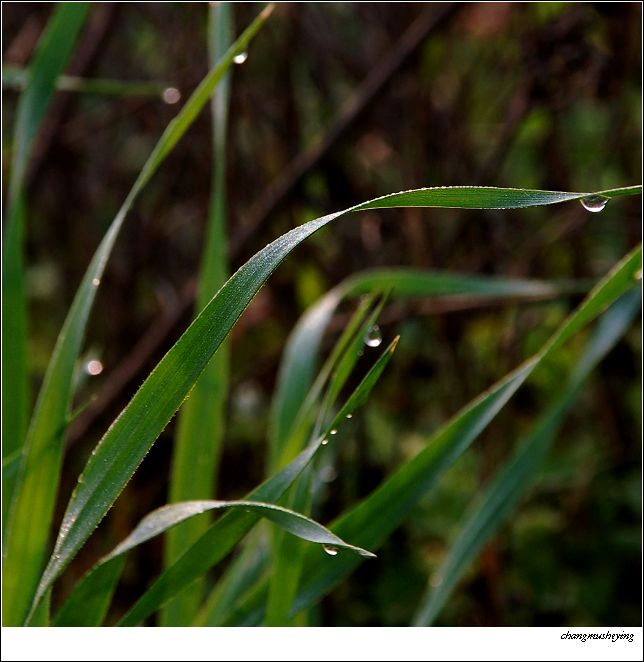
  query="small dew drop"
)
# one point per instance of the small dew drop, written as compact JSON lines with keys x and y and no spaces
{"x":373,"y":337}
{"x":94,"y":367}
{"x":171,"y":95}
{"x":594,"y":203}
{"x":96,"y":282}
{"x":240,"y":58}
{"x":638,"y":275}
{"x":334,"y":431}
{"x":81,"y":480}
{"x":325,"y":442}
{"x":331,"y":551}
{"x":349,"y":416}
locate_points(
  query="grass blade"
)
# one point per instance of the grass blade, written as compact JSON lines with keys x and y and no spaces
{"x":226,"y":532}
{"x":35,"y":493}
{"x":302,"y":348}
{"x":197,"y":447}
{"x":99,"y":582}
{"x":371,"y":521}
{"x":52,"y":54}
{"x":513,"y":481}
{"x":130,"y":437}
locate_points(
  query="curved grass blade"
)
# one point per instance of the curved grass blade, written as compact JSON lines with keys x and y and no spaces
{"x":288,"y":553}
{"x":514,"y":480}
{"x":76,"y":612}
{"x":197,"y":447}
{"x":52,"y":54}
{"x":36,"y":490}
{"x":16,"y":78}
{"x":226,"y":532}
{"x":371,"y":521}
{"x":302,"y":348}
{"x":130,"y":437}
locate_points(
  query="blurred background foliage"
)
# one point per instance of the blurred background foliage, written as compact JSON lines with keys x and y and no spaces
{"x":542,"y":95}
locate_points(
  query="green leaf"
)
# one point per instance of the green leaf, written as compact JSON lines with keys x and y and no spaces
{"x":35,"y":494}
{"x":52,"y":53}
{"x":130,"y":437}
{"x":514,"y":479}
{"x":302,"y":349}
{"x":197,"y":447}
{"x":371,"y":521}
{"x":226,"y":532}
{"x":86,"y":605}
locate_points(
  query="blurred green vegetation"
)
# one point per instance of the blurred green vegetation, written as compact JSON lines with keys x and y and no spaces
{"x":541,"y":95}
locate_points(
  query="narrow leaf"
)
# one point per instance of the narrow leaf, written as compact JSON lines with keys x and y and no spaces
{"x":130,"y":437}
{"x":36,"y":491}
{"x":197,"y":447}
{"x":514,"y":480}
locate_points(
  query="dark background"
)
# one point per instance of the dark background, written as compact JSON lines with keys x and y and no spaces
{"x":539,"y":95}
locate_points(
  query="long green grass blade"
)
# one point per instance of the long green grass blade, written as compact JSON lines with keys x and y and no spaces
{"x":16,"y":78}
{"x":226,"y":532}
{"x":197,"y":447}
{"x":371,"y":521}
{"x":514,"y":480}
{"x":302,"y":349}
{"x":129,"y":438}
{"x":98,"y":581}
{"x":52,"y":54}
{"x":35,"y":494}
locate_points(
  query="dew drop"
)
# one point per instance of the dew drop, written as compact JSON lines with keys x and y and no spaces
{"x":594,"y":203}
{"x":96,"y":282}
{"x":240,"y":58}
{"x":94,"y":367}
{"x":331,"y":551}
{"x":349,"y":416}
{"x":171,"y":95}
{"x":334,"y":431}
{"x":638,"y":275}
{"x":373,"y":337}
{"x":325,"y":442}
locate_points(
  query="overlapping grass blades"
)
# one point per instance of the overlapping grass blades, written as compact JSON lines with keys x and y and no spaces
{"x":52,"y":54}
{"x":226,"y":532}
{"x":517,"y":476}
{"x":126,"y":443}
{"x":372,"y":520}
{"x":89,"y":601}
{"x":197,"y":447}
{"x":35,"y":493}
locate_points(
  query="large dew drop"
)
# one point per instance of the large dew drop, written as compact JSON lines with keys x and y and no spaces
{"x":331,"y":551}
{"x":240,"y":58}
{"x":373,"y":337}
{"x":94,"y":367}
{"x":594,"y":203}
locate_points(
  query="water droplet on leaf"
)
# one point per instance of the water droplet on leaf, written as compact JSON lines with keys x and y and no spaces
{"x":594,"y":203}
{"x":240,"y":58}
{"x":334,"y":431}
{"x":325,"y":442}
{"x":330,"y":550}
{"x":373,"y":337}
{"x":638,"y":275}
{"x":349,"y":415}
{"x":96,"y":282}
